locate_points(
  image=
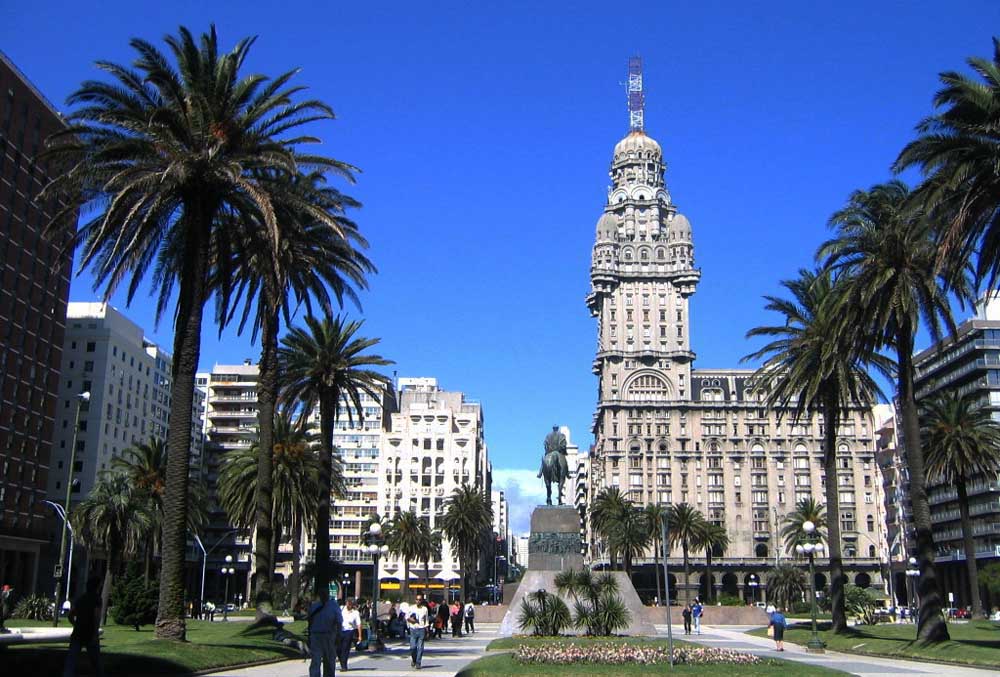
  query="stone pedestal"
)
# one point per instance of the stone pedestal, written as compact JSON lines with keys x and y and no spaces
{"x":554,"y":546}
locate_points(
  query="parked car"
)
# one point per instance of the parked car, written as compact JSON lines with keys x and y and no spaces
{"x":230,"y":607}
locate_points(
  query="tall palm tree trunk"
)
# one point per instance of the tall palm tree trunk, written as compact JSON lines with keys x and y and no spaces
{"x":709,"y":586}
{"x":293,"y":579}
{"x":969,"y":545}
{"x":427,"y":581}
{"x":656,"y":572}
{"x":327,"y":414}
{"x":405,"y":588}
{"x":267,"y":393}
{"x":931,"y":626}
{"x":687,"y":572}
{"x":170,"y":622}
{"x":831,"y":420}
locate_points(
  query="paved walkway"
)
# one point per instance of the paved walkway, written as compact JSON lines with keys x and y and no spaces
{"x":442,"y":658}
{"x":734,"y":637}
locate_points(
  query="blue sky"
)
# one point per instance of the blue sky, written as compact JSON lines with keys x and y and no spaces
{"x":484,"y":132}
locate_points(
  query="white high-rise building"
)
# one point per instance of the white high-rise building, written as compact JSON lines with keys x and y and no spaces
{"x":128,"y":378}
{"x":433,"y":445}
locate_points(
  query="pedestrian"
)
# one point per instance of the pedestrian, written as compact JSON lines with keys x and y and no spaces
{"x":85,"y":615}
{"x":325,"y":621}
{"x":6,"y":606}
{"x":210,"y":611}
{"x":417,"y":622}
{"x":696,"y":613}
{"x":457,"y":611}
{"x":470,"y":617}
{"x":776,"y":627}
{"x":441,"y":620}
{"x":686,"y":613}
{"x":350,"y":632}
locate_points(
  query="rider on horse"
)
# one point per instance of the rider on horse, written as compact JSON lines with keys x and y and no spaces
{"x":554,"y":467}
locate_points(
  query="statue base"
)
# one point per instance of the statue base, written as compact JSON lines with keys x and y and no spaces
{"x":555,"y":545}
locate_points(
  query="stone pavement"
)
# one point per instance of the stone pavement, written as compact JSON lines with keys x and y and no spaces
{"x":734,"y":637}
{"x":442,"y":658}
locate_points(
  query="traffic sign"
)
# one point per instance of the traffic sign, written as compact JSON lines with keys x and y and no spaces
{"x":57,"y":571}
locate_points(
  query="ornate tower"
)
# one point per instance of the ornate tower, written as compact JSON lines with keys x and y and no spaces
{"x":642,"y":275}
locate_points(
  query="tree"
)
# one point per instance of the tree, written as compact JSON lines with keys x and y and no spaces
{"x":114,"y":518}
{"x":296,"y":490}
{"x":608,"y":506}
{"x":793,"y":533}
{"x":860,"y":604}
{"x":957,"y":151}
{"x":405,"y":538}
{"x":596,"y":603}
{"x":467,"y":523}
{"x":544,"y":614}
{"x":885,"y":252}
{"x":990,"y":578}
{"x":961,"y":440}
{"x":430,"y":549}
{"x":328,"y":365}
{"x":159,"y":153}
{"x":687,"y":525}
{"x":629,"y":535}
{"x":815,"y":363}
{"x":656,"y":517}
{"x":713,"y":537}
{"x":134,"y":599}
{"x":785,"y":585}
{"x":316,"y":251}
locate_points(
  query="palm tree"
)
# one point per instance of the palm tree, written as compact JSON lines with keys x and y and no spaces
{"x":962,"y":440}
{"x":405,"y":538}
{"x":957,"y":150}
{"x":296,"y":489}
{"x":630,"y":536}
{"x":430,"y":549}
{"x":656,"y":517}
{"x":316,"y":252}
{"x":145,"y":464}
{"x":467,"y":523}
{"x":713,"y":537}
{"x":687,"y":525}
{"x":608,"y":506}
{"x":806,"y":510}
{"x":885,"y":251}
{"x":786,"y":584}
{"x":328,"y":365}
{"x":815,"y":363}
{"x":115,"y":517}
{"x":159,"y":153}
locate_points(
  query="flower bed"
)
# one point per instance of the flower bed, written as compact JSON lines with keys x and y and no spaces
{"x":627,"y":654}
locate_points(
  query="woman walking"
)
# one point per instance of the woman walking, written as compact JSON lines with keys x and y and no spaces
{"x":441,"y":621}
{"x":456,"y":618}
{"x":687,"y":619}
{"x":776,"y":627}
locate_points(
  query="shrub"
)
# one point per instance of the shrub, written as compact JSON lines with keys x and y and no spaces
{"x":133,"y":601}
{"x":34,"y":608}
{"x":544,"y":614}
{"x":597,"y":605}
{"x":730,"y":600}
{"x":801,"y":608}
{"x":859,"y":602}
{"x":629,"y":654}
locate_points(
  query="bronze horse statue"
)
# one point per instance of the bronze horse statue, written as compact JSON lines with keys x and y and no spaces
{"x":554,"y":467}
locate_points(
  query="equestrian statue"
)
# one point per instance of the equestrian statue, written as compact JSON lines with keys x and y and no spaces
{"x":554,"y":466}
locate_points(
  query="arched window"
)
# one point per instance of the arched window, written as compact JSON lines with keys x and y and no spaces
{"x":648,"y":387}
{"x":871,"y":551}
{"x":661,"y":254}
{"x":870,"y":523}
{"x":644,"y":255}
{"x":760,"y":550}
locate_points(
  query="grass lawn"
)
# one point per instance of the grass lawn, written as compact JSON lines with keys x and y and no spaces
{"x":974,"y":643}
{"x":127,"y":652}
{"x":504,"y":664}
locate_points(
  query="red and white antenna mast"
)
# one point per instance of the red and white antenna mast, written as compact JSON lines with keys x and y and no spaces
{"x":636,"y":95}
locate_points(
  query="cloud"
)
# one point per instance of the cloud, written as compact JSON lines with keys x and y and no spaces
{"x":523,"y":491}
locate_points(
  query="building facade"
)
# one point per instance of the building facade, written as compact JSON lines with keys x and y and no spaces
{"x":434,"y":444}
{"x":668,"y":433}
{"x":968,"y":363}
{"x":34,"y":287}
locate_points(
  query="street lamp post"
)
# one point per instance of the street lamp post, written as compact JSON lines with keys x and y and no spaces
{"x":81,"y":399}
{"x":754,"y":583}
{"x":227,"y":572}
{"x":69,"y":565}
{"x":376,"y":548}
{"x":811,"y":548}
{"x":912,"y":573}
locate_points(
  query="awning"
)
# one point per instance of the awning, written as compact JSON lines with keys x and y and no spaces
{"x":447,"y":575}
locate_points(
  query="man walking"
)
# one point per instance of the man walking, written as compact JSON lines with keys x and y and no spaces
{"x":417,"y":623}
{"x":85,"y":615}
{"x":325,"y":622}
{"x":696,"y":612}
{"x":350,"y":632}
{"x":470,"y":617}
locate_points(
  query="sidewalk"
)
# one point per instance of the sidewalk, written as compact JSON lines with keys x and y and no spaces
{"x":442,"y":658}
{"x":734,"y":637}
